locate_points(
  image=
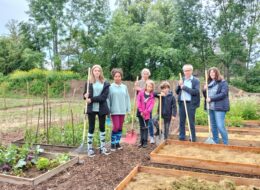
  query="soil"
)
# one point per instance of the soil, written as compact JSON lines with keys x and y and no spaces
{"x":234,"y":136}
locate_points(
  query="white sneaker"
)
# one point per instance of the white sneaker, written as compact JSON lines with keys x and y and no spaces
{"x":152,"y":140}
{"x":104,"y":151}
{"x":91,"y":152}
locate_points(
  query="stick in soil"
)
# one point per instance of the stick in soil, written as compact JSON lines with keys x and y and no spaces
{"x":44,"y":114}
{"x":47,"y":113}
{"x":72,"y":125}
{"x":38,"y":125}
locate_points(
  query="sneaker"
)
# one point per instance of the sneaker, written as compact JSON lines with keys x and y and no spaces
{"x":144,"y":145}
{"x":118,"y":147}
{"x":91,"y":152}
{"x":104,"y":151}
{"x":113,"y":147}
{"x":152,"y":140}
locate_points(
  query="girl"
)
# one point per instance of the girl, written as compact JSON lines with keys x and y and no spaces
{"x":145,"y":103}
{"x":140,"y":85}
{"x":119,"y":103}
{"x":218,"y":104}
{"x":97,"y":105}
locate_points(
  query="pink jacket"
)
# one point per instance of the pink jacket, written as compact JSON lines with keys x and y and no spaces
{"x":145,"y":107}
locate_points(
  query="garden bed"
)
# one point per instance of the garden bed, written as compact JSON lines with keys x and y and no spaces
{"x":160,"y":178}
{"x":24,"y":165}
{"x":244,"y":160}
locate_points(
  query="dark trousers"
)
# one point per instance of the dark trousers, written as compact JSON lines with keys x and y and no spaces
{"x":191,"y":114}
{"x":143,"y":130}
{"x":92,"y":119}
{"x":167,"y":123}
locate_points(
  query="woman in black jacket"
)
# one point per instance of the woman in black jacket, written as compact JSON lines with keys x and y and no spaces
{"x":97,"y":105}
{"x":218,"y":104}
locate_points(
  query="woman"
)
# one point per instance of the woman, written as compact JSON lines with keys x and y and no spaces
{"x":119,"y":103}
{"x":140,"y":85}
{"x":218,"y":103}
{"x":97,"y":105}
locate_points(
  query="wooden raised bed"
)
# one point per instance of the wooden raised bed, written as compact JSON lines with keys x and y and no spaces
{"x":205,"y":163}
{"x":36,"y":180}
{"x":237,"y":130}
{"x":48,"y":147}
{"x":251,"y":123}
{"x":179,"y":173}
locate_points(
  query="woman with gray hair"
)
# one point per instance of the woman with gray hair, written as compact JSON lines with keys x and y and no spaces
{"x":140,"y":85}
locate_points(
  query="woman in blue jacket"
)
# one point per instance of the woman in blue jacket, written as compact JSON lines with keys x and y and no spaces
{"x":218,"y":104}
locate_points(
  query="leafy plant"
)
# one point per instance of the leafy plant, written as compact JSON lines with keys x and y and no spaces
{"x":42,"y":163}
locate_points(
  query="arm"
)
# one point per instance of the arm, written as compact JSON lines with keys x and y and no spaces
{"x":128,"y":102}
{"x":103,"y":96}
{"x":89,"y":90}
{"x":223,"y":93}
{"x":178,"y":89}
{"x":191,"y":91}
{"x":174,"y":107}
{"x":150,"y":108}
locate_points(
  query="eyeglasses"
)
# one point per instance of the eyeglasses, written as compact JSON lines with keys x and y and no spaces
{"x":187,"y":70}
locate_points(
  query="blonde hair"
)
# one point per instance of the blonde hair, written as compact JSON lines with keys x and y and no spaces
{"x":145,"y":70}
{"x":165,"y":84}
{"x":101,"y":77}
{"x":151,"y":83}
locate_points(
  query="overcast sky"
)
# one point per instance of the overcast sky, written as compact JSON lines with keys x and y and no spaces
{"x":15,"y":9}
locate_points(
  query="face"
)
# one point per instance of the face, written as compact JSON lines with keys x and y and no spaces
{"x":149,"y":87}
{"x":187,"y":72}
{"x":96,"y":72}
{"x":145,"y":75}
{"x":117,"y":78}
{"x":165,"y":90}
{"x":212,"y":74}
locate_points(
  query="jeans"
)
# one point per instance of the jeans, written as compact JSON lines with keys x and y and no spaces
{"x":150,"y":126}
{"x":217,"y":120}
{"x":191,"y":113}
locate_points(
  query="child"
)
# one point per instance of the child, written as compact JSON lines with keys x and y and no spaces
{"x":145,"y":104}
{"x":119,"y":103}
{"x":169,"y":109}
{"x":97,"y":105}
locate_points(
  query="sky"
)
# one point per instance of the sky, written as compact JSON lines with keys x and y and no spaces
{"x":15,"y":9}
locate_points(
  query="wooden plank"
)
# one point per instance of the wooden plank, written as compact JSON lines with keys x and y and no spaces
{"x":180,"y":173}
{"x":236,"y":130}
{"x":34,"y":181}
{"x":234,"y":142}
{"x":252,"y":169}
{"x":127,"y":179}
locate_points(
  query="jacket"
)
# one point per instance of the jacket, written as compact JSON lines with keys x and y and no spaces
{"x":145,"y":107}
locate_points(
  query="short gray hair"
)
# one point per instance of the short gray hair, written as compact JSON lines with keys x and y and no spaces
{"x":145,"y":70}
{"x":187,"y":66}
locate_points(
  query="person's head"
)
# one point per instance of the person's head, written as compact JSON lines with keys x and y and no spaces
{"x":165,"y":87}
{"x":187,"y":70}
{"x":96,"y":74}
{"x":117,"y":75}
{"x":149,"y":86}
{"x":214,"y":74}
{"x":145,"y":73}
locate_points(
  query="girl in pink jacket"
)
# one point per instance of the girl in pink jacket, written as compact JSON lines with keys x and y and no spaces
{"x":145,"y":103}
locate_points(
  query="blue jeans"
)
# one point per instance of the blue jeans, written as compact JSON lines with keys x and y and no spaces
{"x":217,"y":120}
{"x":150,"y":126}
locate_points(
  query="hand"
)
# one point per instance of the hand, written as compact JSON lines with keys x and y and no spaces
{"x":163,"y":94}
{"x":180,"y":82}
{"x":88,"y":100}
{"x":86,"y":95}
{"x":208,"y":100}
{"x":173,"y":118}
{"x":205,"y":87}
{"x":142,"y":114}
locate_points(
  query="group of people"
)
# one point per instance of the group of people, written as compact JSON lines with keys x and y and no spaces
{"x":105,"y":99}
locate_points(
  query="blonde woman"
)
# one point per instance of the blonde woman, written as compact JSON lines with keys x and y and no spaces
{"x":97,"y":105}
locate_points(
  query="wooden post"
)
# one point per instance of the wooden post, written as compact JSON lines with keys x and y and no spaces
{"x":72,"y":125}
{"x":38,"y":125}
{"x":64,"y":90}
{"x":28,"y":104}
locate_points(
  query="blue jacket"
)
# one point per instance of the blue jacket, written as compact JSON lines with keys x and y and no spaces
{"x":194,"y":91}
{"x":221,"y":98}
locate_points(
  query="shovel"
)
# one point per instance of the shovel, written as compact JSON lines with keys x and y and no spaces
{"x":186,"y":111}
{"x":209,"y":139}
{"x":83,"y":148}
{"x":131,"y":135}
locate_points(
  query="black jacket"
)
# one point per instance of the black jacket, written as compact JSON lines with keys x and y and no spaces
{"x":221,"y":98}
{"x":169,"y":107}
{"x":102,"y":98}
{"x":194,"y":91}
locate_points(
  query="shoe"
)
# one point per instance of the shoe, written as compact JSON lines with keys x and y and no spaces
{"x":113,"y":148}
{"x":144,"y":145}
{"x":140,"y":145}
{"x":104,"y":151}
{"x":152,"y":140}
{"x":91,"y":152}
{"x":118,"y":147}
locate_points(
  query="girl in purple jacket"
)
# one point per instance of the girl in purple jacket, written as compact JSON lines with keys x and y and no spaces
{"x":145,"y":103}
